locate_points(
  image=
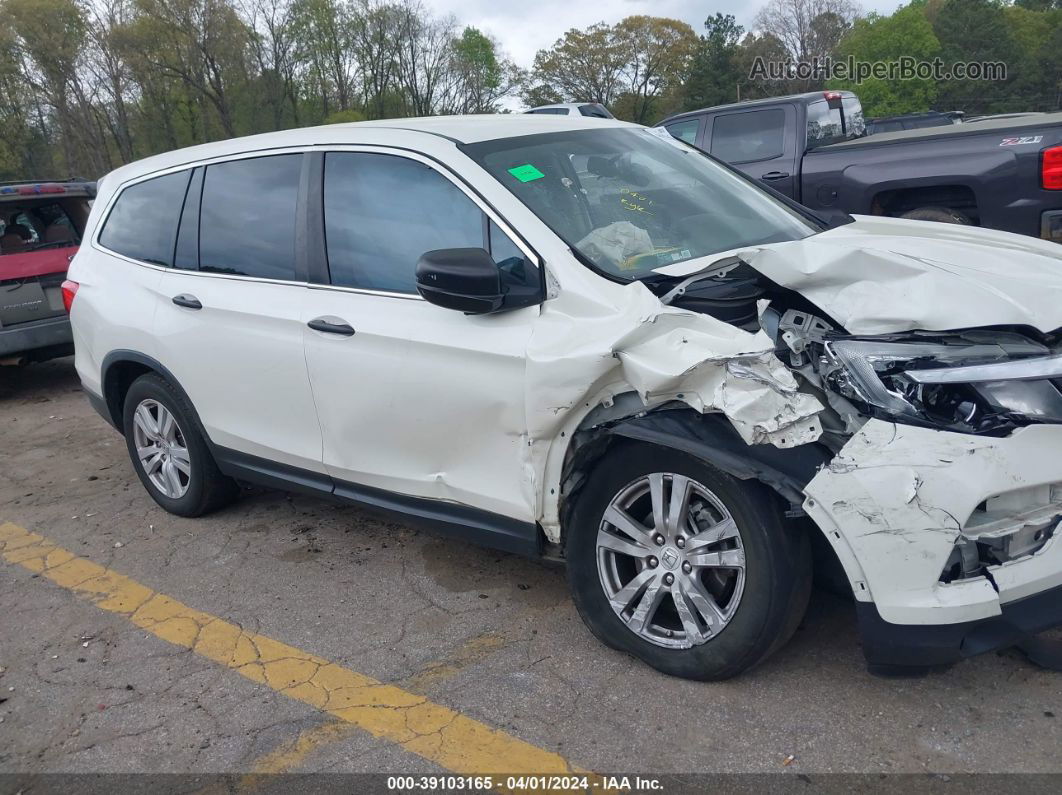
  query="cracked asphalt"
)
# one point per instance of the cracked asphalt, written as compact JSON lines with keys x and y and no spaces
{"x":485,"y":636}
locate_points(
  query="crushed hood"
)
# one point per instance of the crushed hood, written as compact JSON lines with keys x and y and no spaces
{"x":882,"y":275}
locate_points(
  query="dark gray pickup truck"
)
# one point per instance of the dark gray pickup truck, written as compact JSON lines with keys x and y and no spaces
{"x":999,"y":173}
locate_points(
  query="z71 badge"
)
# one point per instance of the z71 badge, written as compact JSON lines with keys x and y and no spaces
{"x":1025,"y":139}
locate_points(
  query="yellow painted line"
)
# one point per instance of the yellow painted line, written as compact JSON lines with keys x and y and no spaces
{"x":471,"y":651}
{"x":432,"y":731}
{"x":289,"y":756}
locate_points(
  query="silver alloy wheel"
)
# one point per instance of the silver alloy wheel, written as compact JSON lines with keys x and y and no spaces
{"x":671,"y":560}
{"x":162,"y":449}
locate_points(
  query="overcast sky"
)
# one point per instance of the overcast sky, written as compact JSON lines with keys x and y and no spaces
{"x":526,"y":26}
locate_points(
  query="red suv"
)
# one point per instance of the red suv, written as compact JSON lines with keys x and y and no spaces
{"x":40,"y":230}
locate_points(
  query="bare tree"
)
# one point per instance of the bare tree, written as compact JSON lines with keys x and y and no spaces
{"x":807,"y":28}
{"x":273,"y":42}
{"x":377,"y":41}
{"x":424,"y":57}
{"x":110,"y":69}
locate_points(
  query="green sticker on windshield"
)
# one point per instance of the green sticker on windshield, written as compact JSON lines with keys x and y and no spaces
{"x":526,"y":173}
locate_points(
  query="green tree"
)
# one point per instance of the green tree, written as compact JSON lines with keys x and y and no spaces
{"x":766,"y":48}
{"x":534,"y":94}
{"x":583,"y":65}
{"x":888,"y":38}
{"x":976,"y":30}
{"x":50,"y":35}
{"x":483,"y":76}
{"x":324,"y":32}
{"x":714,"y":70}
{"x":1035,"y":71}
{"x":659,"y":52}
{"x":202,"y":44}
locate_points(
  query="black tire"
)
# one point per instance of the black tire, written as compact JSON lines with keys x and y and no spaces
{"x":777,"y":566}
{"x":207,"y":488}
{"x":942,"y":215}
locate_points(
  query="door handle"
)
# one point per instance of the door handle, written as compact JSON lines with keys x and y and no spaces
{"x":187,"y":301}
{"x":331,"y":326}
{"x":771,"y":176}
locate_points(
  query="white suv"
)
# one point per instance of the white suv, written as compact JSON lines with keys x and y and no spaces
{"x":573,"y":338}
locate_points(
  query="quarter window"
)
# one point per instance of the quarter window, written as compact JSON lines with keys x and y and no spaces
{"x":383,"y":212}
{"x":685,"y":130}
{"x":750,"y":136}
{"x":143,"y":222}
{"x":247,"y":218}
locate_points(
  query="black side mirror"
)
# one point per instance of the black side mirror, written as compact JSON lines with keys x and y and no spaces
{"x":465,"y":279}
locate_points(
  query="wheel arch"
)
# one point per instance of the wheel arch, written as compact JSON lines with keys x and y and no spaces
{"x":120,"y":369}
{"x":954,"y":196}
{"x":709,"y":437}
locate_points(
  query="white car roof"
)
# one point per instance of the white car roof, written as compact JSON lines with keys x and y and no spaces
{"x":459,"y":129}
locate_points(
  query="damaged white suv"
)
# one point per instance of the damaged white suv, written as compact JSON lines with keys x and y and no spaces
{"x":569,"y":337}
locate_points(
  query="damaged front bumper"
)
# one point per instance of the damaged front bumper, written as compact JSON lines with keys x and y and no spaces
{"x":948,"y":539}
{"x":894,"y":647}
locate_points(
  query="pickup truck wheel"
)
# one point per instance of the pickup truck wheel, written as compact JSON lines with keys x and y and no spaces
{"x":683,"y":566}
{"x":942,"y":215}
{"x":169,"y":453}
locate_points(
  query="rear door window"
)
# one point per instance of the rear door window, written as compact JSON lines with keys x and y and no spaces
{"x":142,"y":224}
{"x":749,"y":136}
{"x":247,"y":217}
{"x":383,"y":212}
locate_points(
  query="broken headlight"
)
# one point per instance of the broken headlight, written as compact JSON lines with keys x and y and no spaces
{"x":974,"y":381}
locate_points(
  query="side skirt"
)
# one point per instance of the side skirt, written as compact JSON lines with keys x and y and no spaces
{"x":447,"y":518}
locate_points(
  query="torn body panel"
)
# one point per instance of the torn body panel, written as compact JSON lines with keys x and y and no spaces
{"x":583,"y":354}
{"x":897,"y":500}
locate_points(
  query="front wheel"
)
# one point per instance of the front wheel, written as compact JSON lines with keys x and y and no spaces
{"x":683,"y":566}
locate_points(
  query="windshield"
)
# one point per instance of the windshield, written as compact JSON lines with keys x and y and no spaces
{"x":630,"y":202}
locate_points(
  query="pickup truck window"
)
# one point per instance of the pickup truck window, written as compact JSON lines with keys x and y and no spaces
{"x":828,"y":125}
{"x":855,"y":125}
{"x":749,"y":136}
{"x":629,"y":201}
{"x":824,"y":124}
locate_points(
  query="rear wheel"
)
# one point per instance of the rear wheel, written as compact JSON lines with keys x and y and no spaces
{"x":169,"y":453}
{"x":942,"y":215}
{"x":684,"y":567}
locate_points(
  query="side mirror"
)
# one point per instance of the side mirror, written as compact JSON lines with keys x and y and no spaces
{"x":465,"y":279}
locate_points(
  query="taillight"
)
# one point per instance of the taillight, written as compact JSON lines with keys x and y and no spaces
{"x":69,"y":291}
{"x":1051,"y":168}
